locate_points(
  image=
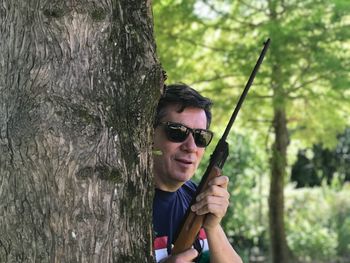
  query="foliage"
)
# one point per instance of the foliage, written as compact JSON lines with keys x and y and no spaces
{"x":317,"y":218}
{"x":344,"y":238}
{"x":314,"y":165}
{"x":245,"y":220}
{"x":308,"y":234}
{"x":213,"y":45}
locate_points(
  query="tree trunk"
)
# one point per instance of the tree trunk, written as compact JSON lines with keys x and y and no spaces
{"x":79,"y":81}
{"x":278,"y":242}
{"x":279,"y":248}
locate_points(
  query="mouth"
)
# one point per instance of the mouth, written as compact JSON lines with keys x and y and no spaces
{"x":184,"y":161}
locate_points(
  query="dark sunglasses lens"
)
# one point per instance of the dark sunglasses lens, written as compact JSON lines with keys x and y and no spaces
{"x":203,"y":138}
{"x":176,"y":133}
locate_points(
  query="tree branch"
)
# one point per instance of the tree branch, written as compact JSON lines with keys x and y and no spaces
{"x":198,"y":44}
{"x":226,"y":15}
{"x":214,"y":78}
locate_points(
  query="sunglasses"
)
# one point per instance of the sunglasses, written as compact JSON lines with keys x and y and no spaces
{"x":177,"y":132}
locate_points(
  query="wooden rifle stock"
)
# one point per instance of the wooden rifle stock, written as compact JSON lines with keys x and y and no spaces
{"x":191,"y":226}
{"x":192,"y":222}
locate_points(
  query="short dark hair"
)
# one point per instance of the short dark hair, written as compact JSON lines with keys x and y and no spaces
{"x":184,"y":96}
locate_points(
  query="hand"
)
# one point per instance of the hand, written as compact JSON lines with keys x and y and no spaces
{"x":214,"y":200}
{"x":184,"y":257}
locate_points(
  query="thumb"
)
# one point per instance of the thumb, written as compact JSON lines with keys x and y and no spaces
{"x":189,"y":254}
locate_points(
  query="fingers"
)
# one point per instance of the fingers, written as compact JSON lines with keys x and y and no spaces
{"x":216,"y":170}
{"x":184,"y":257}
{"x":189,"y":254}
{"x":219,"y":181}
{"x":211,"y":204}
{"x":217,"y":187}
{"x":215,"y":199}
{"x":218,"y":178}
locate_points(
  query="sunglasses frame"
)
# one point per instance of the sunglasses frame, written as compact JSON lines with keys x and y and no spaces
{"x":194,"y":132}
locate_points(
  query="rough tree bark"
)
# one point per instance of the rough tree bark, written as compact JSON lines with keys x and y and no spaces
{"x":79,"y":81}
{"x":279,"y":248}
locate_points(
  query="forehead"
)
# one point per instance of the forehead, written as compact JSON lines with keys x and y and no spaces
{"x":191,"y":116}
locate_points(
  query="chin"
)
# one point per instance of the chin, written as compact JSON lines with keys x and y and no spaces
{"x":182,"y":178}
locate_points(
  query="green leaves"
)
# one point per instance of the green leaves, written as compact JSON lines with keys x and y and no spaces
{"x":213,"y":45}
{"x":215,"y":53}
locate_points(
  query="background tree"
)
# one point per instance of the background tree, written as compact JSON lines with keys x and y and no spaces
{"x":301,"y":92}
{"x":75,"y":135}
{"x":318,"y":164}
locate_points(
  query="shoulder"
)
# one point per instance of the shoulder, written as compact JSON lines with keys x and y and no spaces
{"x":189,"y":188}
{"x":190,"y":184}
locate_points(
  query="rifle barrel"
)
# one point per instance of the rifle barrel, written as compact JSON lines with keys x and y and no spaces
{"x":246,"y":89}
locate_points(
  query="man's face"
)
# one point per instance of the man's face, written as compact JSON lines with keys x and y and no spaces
{"x":176,"y":162}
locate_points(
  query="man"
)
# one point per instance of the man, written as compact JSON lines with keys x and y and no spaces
{"x":181,"y":134}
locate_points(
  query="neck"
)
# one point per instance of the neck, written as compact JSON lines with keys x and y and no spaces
{"x":167,"y":187}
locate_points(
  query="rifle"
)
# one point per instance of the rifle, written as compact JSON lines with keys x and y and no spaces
{"x":192,"y":223}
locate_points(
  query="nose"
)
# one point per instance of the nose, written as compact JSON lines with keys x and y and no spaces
{"x":189,"y":144}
